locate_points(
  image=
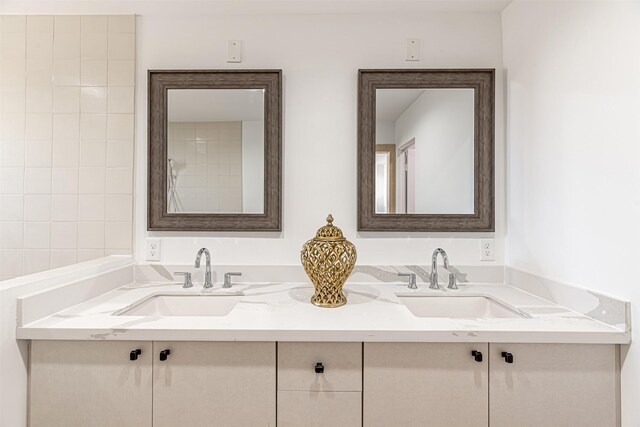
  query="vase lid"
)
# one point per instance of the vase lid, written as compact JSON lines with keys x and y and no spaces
{"x":329,"y":231}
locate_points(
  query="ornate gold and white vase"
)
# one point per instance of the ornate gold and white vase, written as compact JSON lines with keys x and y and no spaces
{"x":328,"y":260}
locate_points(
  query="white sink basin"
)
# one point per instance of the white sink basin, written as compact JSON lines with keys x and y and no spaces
{"x":460,"y":306}
{"x":183,"y":305}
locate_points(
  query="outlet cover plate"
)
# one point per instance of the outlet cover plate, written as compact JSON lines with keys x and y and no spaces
{"x":487,"y":250}
{"x":153,"y":250}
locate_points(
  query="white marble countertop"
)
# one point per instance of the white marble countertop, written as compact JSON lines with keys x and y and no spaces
{"x":282,"y":312}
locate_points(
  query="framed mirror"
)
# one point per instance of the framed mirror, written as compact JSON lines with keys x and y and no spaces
{"x":215,"y":150}
{"x":426,"y":150}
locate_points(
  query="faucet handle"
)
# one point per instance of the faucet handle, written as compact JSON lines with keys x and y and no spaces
{"x":452,"y":280}
{"x":227,"y":278}
{"x":187,"y":279}
{"x":412,"y":279}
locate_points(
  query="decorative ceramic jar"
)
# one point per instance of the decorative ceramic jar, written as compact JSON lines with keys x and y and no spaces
{"x":328,"y":260}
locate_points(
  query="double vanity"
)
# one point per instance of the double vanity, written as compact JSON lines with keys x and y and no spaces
{"x":409,"y":348}
{"x":156,"y":353}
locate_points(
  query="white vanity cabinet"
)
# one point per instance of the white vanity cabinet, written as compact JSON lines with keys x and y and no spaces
{"x":319,"y":384}
{"x":426,"y":384}
{"x":231,"y":384}
{"x":90,"y":383}
{"x":524,"y":385}
{"x":94,"y":383}
{"x":240,"y":384}
{"x":549,"y":385}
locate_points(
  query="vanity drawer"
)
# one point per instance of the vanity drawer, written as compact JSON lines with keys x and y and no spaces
{"x":319,"y":409}
{"x":341,"y":366}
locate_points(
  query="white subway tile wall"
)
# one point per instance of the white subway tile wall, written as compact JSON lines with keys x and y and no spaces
{"x":207,"y":166}
{"x":66,"y":140}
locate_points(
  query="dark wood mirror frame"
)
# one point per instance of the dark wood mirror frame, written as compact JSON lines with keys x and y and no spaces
{"x":483,"y":83}
{"x":160,"y":81}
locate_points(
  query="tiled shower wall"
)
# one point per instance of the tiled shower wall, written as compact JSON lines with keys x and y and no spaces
{"x":207,"y":166}
{"x":66,"y":140}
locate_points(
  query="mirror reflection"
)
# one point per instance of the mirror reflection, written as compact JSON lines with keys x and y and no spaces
{"x":215,"y":151}
{"x":424,"y":151}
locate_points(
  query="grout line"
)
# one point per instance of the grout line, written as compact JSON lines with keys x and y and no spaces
{"x":106,"y":124}
{"x":53,"y":59}
{"x":79,"y":147}
{"x":24,"y":153}
{"x":133,"y":141}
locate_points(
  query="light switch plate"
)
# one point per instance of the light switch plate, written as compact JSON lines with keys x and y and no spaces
{"x":153,"y":250}
{"x":235,"y":51}
{"x":413,"y":50}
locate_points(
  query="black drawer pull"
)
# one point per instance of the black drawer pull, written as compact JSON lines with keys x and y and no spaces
{"x":477,"y":356}
{"x":508,"y":357}
{"x":319,"y":368}
{"x":164,"y":354}
{"x":134,"y":354}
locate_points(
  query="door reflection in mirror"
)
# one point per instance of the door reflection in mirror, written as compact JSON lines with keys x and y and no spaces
{"x":385,"y":178}
{"x":215,"y":151}
{"x":431,"y":132}
{"x":407,"y":191}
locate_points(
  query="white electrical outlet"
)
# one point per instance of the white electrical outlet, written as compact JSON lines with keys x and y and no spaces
{"x":153,"y":250}
{"x":487,"y":248}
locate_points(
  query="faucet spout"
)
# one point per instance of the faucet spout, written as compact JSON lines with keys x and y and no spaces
{"x":434,"y":266}
{"x":434,"y":270}
{"x":207,"y":274}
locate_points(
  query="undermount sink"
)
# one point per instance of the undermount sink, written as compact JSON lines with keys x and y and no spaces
{"x":460,"y":306}
{"x":183,"y":305}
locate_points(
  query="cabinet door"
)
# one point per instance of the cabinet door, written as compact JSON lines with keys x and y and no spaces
{"x":90,"y":383}
{"x":319,"y":409}
{"x":224,"y":384}
{"x":551,"y":385}
{"x":425,"y":384}
{"x":341,"y":365}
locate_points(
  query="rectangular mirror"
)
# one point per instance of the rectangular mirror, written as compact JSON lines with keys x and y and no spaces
{"x":429,"y":132}
{"x":214,"y":150}
{"x":426,"y":150}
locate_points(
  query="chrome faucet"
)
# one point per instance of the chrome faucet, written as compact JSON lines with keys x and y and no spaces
{"x":207,"y":274}
{"x":434,"y":270}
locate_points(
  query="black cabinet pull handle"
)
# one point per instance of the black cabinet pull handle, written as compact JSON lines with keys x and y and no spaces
{"x":164,"y":354}
{"x":508,"y":357}
{"x":134,"y":354}
{"x":319,"y":368}
{"x":477,"y":355}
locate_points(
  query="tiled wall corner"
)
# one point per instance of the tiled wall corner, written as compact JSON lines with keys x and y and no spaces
{"x":66,"y":140}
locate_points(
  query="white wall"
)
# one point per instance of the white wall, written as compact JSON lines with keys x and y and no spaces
{"x":385,"y":131}
{"x":441,"y":122}
{"x":320,"y":56}
{"x":252,"y":166}
{"x":574,"y":151}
